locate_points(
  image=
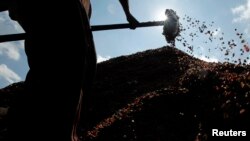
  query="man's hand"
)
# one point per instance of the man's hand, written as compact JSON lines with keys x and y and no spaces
{"x":132,"y":21}
{"x":130,"y":18}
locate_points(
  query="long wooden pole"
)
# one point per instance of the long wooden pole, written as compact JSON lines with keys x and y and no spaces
{"x":12,"y":37}
{"x":21,"y":36}
{"x":125,"y":25}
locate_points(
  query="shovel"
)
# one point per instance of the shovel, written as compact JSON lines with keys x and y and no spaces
{"x":170,"y":29}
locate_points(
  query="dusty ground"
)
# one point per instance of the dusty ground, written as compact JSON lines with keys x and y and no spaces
{"x":160,"y":95}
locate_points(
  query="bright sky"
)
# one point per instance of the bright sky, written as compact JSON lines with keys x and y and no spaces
{"x":224,"y":15}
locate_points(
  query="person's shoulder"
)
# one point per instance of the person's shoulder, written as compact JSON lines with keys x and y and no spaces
{"x":5,"y":5}
{"x":13,"y":10}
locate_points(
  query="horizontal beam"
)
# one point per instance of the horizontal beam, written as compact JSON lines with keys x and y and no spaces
{"x":21,"y":36}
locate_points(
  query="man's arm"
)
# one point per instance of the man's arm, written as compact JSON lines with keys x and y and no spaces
{"x":5,"y":4}
{"x":130,"y":18}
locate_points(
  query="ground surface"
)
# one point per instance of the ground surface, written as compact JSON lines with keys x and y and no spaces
{"x":160,"y":95}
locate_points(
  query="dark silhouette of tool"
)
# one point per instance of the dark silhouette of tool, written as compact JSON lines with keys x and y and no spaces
{"x":171,"y":28}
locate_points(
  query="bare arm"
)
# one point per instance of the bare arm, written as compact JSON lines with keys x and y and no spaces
{"x":130,"y":18}
{"x":5,"y":4}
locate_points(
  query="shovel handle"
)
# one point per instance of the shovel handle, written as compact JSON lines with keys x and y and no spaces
{"x":21,"y":36}
{"x":125,"y":25}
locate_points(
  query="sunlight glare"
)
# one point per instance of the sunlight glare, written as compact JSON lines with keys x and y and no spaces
{"x":160,"y":15}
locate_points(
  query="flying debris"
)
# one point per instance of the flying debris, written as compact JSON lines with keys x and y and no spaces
{"x":207,"y":35}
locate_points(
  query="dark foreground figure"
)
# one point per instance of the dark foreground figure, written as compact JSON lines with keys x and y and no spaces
{"x":59,"y":49}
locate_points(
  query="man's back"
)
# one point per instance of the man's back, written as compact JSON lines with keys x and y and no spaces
{"x":54,"y":26}
{"x":55,"y":49}
{"x":45,"y":13}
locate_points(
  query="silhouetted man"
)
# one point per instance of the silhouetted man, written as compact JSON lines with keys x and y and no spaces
{"x":59,"y":48}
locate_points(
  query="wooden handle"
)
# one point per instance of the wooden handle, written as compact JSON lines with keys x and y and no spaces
{"x":21,"y":36}
{"x":125,"y":25}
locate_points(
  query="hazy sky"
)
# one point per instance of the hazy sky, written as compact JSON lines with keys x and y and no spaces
{"x":221,"y":16}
